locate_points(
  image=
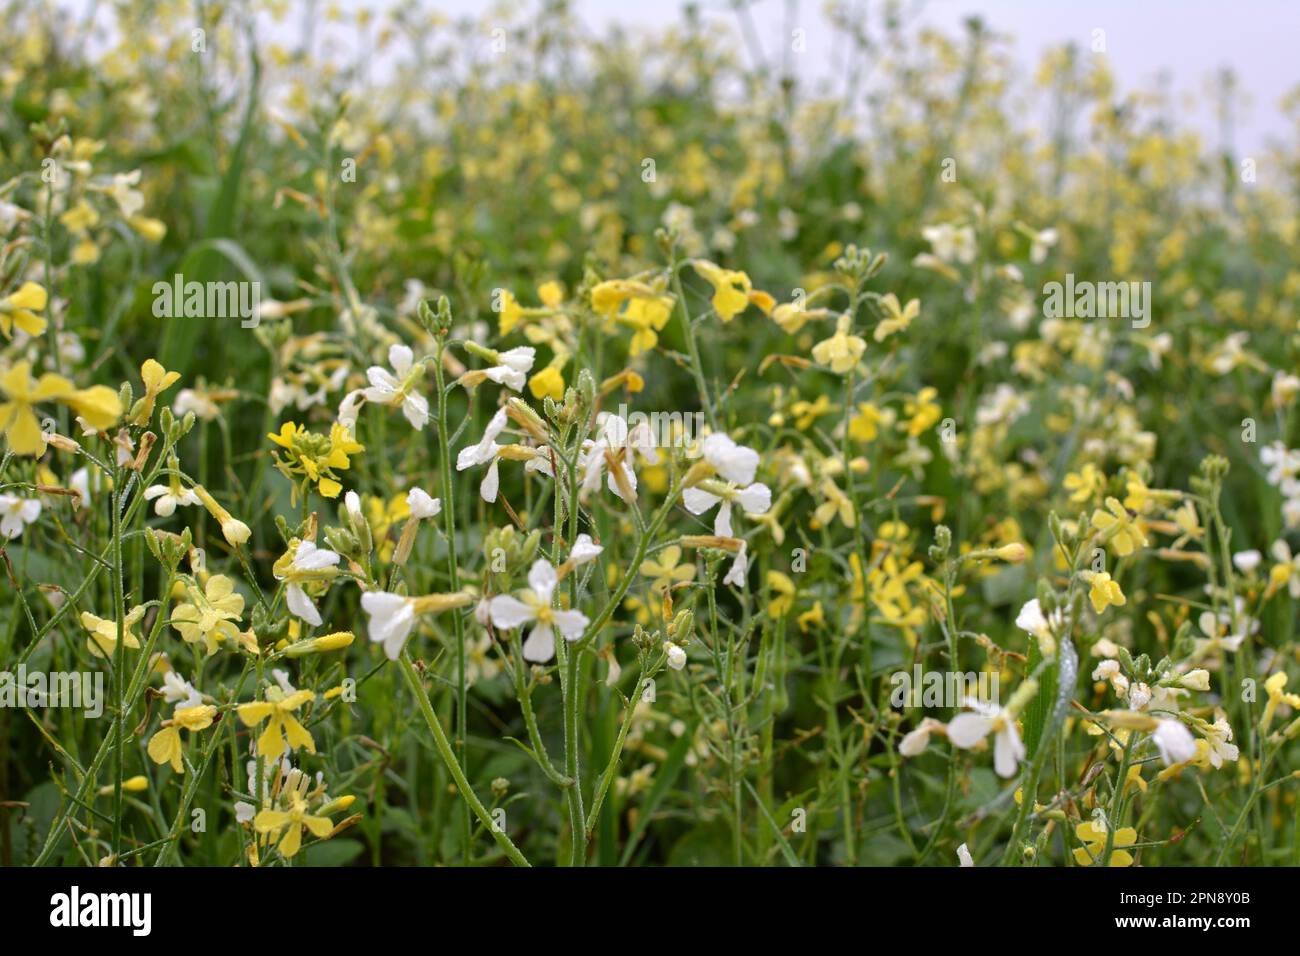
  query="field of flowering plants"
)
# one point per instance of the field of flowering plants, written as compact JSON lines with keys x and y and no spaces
{"x":440,"y":440}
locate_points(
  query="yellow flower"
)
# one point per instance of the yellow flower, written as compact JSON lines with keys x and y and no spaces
{"x":865,"y":425}
{"x":806,"y":413}
{"x":85,"y":253}
{"x":1276,"y":696}
{"x":784,"y":590}
{"x":1084,"y":484}
{"x":636,"y":305}
{"x":1103,"y":591}
{"x":1140,"y":499}
{"x":315,"y":457}
{"x":156,"y":381}
{"x":732,"y":290}
{"x":102,"y":638}
{"x":1188,"y":520}
{"x":165,"y":745}
{"x":153,"y":230}
{"x":897,"y":318}
{"x":841,"y":351}
{"x":19,"y":308}
{"x":792,"y":317}
{"x":549,"y":381}
{"x":808,"y":618}
{"x":1118,"y":528}
{"x":210,"y":614}
{"x":99,"y":406}
{"x":512,"y":313}
{"x":666,"y":571}
{"x":922,"y":411}
{"x":1094,"y":848}
{"x":283,"y":731}
{"x":551,"y":293}
{"x":1133,"y":781}
{"x":21,"y":429}
{"x":836,"y":503}
{"x":79,"y":218}
{"x":292,"y":821}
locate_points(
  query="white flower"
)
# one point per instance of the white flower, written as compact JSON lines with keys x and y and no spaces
{"x":1284,"y":389}
{"x":125,"y":448}
{"x":1032,"y":620}
{"x":950,"y":242}
{"x":244,"y":811}
{"x":1215,"y":639}
{"x":1040,"y":243}
{"x":614,"y":437}
{"x":350,"y":408}
{"x":1174,"y":741}
{"x":916,"y":740}
{"x":584,"y":551}
{"x":188,"y":400}
{"x":122,"y":188}
{"x":80,"y":483}
{"x":641,"y":439}
{"x":963,"y":854}
{"x":514,"y":368}
{"x":966,"y":730}
{"x":676,"y":655}
{"x":1246,"y":561}
{"x":16,"y":513}
{"x":736,"y":463}
{"x":281,"y":677}
{"x":1219,"y":737}
{"x":398,"y":389}
{"x":308,"y":562}
{"x":755,"y":499}
{"x":352,"y":504}
{"x":10,"y":215}
{"x":485,"y":453}
{"x":169,"y":498}
{"x":1282,"y":462}
{"x":391,"y":618}
{"x":739,"y":568}
{"x":177,"y":690}
{"x":617,"y":433}
{"x":1139,"y":695}
{"x":422,"y":505}
{"x":534,"y":604}
{"x":1108,"y":670}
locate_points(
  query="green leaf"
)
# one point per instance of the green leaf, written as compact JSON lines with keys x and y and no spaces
{"x":333,"y":852}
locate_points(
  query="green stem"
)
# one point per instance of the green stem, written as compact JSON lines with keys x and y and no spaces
{"x":453,"y":766}
{"x":688,"y":330}
{"x":453,"y":575}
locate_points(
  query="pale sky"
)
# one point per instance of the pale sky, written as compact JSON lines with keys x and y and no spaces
{"x":1189,"y":40}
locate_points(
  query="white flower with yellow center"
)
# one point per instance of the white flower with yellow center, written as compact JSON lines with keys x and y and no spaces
{"x":308,"y":564}
{"x":533,"y":605}
{"x":485,"y":453}
{"x":16,"y":514}
{"x":397,"y":388}
{"x":967,"y":730}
